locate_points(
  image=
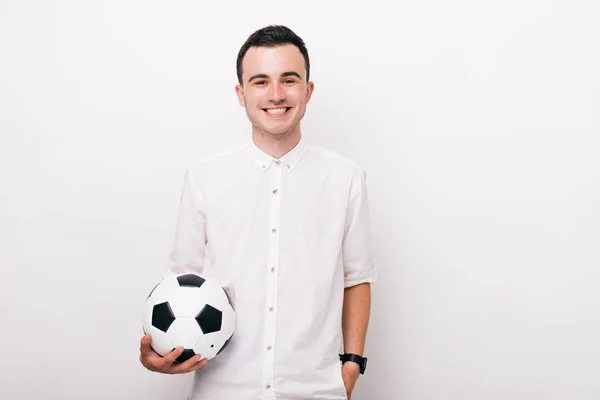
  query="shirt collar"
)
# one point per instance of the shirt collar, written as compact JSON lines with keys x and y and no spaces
{"x":289,"y":160}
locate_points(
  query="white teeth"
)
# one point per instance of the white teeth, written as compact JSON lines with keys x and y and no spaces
{"x":276,"y":111}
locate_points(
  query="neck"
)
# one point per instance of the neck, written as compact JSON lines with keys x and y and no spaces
{"x":276,"y":146}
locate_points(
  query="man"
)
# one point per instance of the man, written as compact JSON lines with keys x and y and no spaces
{"x":284,"y":228}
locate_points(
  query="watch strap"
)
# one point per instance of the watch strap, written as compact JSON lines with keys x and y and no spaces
{"x":361,"y":361}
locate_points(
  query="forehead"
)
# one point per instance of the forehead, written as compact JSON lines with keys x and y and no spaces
{"x":273,"y":61}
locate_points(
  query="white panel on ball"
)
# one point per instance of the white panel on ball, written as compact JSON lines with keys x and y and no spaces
{"x":184,"y":332}
{"x":160,"y":341}
{"x":218,"y":299}
{"x":188,"y":302}
{"x":228,"y":322}
{"x":209,"y":345}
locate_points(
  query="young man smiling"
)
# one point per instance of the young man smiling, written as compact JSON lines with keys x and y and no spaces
{"x":284,"y":227}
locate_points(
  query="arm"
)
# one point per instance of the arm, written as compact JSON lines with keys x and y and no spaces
{"x":359,"y":274}
{"x":187,"y":255}
{"x":189,"y":247}
{"x":355,"y":317}
{"x":355,"y":320}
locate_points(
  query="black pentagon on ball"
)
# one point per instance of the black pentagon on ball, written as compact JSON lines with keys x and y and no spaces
{"x":191,"y":280}
{"x":162,"y":316}
{"x":186,"y":355}
{"x":209,"y":319}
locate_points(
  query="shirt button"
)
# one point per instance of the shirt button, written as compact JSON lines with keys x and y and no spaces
{"x":275,"y":191}
{"x":267,"y":386}
{"x":269,"y":348}
{"x":273,"y":230}
{"x":277,"y":162}
{"x":272,"y":269}
{"x":271,"y":309}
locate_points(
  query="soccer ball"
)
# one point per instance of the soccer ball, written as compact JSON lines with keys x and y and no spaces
{"x":192,"y":311}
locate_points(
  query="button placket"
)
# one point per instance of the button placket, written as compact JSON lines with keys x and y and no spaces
{"x":273,"y":274}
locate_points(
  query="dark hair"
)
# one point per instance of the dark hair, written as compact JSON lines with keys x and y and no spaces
{"x":272,"y":36}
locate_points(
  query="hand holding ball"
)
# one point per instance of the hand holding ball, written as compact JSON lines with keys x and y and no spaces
{"x":188,"y":311}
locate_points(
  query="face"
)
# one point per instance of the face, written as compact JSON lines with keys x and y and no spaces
{"x":274,"y":91}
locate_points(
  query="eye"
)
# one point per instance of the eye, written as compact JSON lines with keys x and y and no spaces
{"x":289,"y":81}
{"x":260,"y":83}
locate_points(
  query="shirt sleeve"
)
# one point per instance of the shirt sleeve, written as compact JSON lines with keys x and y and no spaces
{"x":356,"y":248}
{"x":187,"y":253}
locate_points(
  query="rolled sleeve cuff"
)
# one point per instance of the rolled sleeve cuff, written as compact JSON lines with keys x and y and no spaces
{"x":370,"y":276}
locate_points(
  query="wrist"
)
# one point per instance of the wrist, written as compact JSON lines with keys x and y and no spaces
{"x":354,"y":359}
{"x":351,"y":367}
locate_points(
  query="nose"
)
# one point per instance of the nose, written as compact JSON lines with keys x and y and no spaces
{"x":276,"y":93}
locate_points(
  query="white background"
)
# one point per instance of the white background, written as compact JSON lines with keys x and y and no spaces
{"x":478,"y":124}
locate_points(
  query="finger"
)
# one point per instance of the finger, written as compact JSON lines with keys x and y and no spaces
{"x":145,"y":343}
{"x":145,"y":351}
{"x":200,"y":364}
{"x":192,"y":364}
{"x":168,"y":360}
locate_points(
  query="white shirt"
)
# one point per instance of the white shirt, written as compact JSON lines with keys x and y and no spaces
{"x":284,"y":238}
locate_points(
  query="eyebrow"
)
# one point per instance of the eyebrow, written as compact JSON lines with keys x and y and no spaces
{"x":283,"y":75}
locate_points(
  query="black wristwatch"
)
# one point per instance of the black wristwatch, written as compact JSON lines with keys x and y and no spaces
{"x":361,"y":361}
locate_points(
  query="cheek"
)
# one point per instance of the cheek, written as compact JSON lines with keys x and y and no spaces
{"x":252,"y":101}
{"x":295,"y":97}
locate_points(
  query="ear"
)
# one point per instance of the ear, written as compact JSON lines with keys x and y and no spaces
{"x":239,"y":91}
{"x":310,"y":87}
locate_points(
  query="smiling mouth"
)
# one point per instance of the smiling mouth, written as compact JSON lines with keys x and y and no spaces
{"x":276,"y":112}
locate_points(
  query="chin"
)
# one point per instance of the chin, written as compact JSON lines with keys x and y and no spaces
{"x":280,"y":130}
{"x":278,"y":133}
